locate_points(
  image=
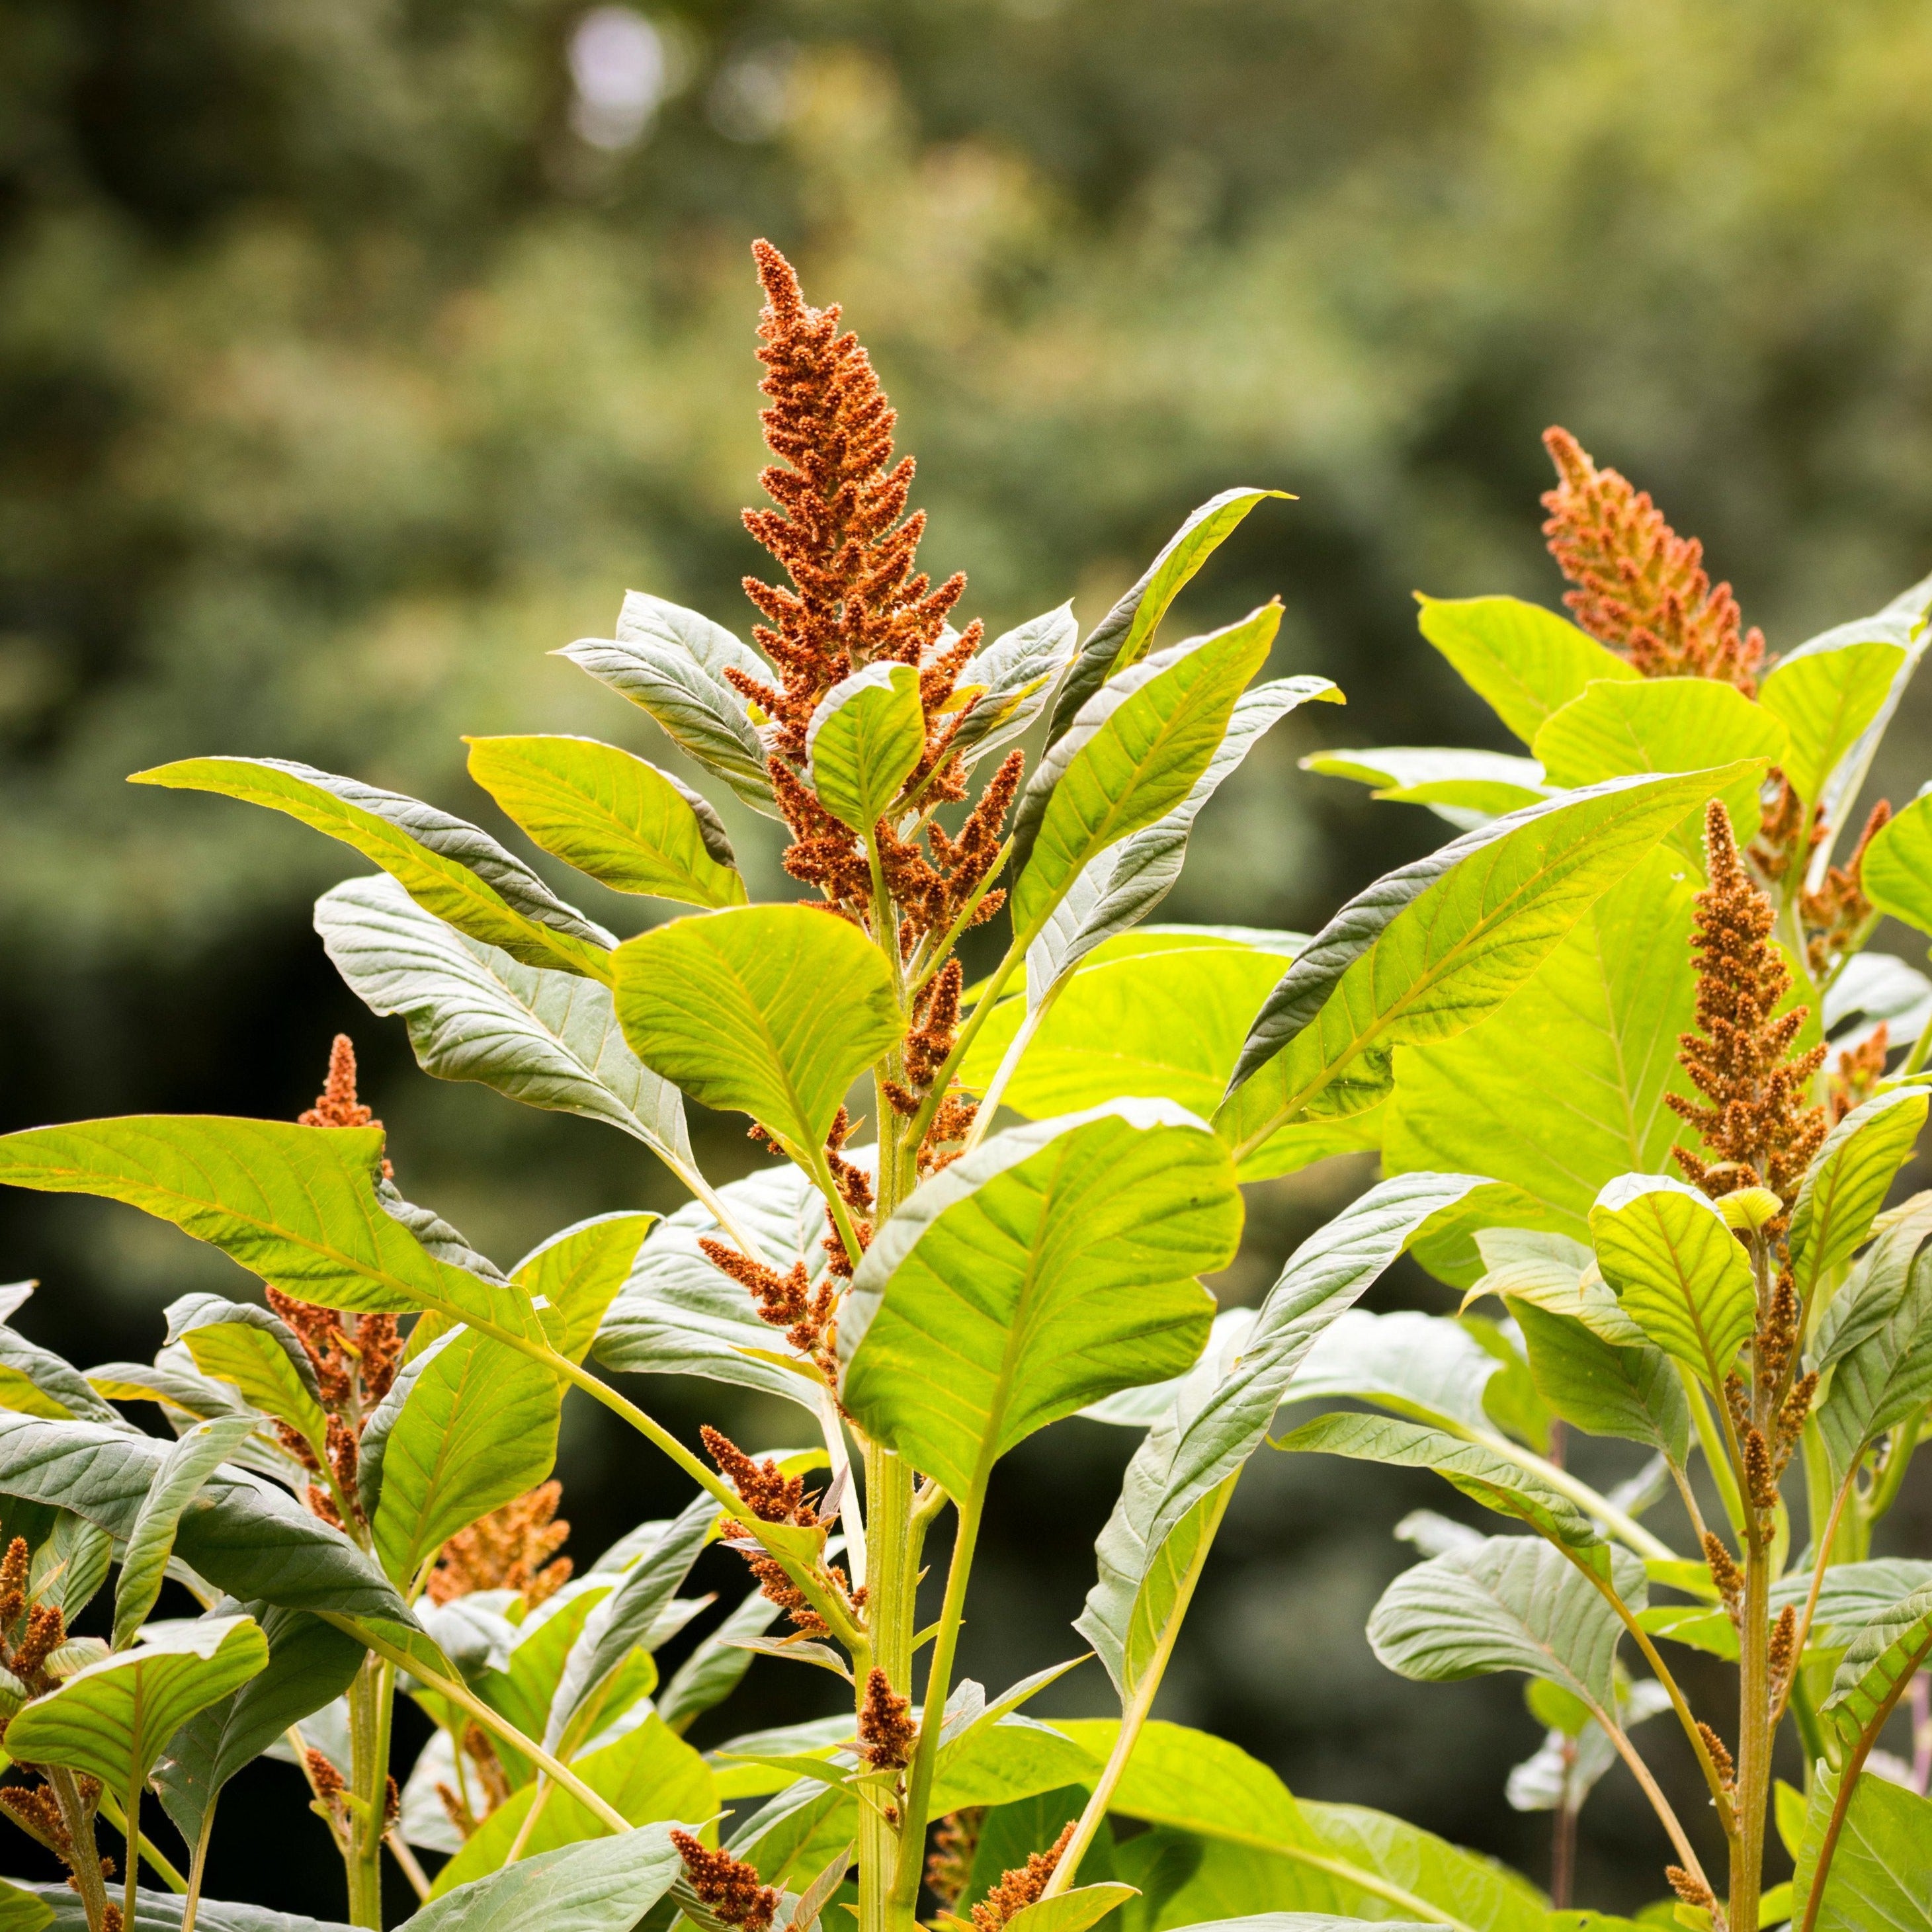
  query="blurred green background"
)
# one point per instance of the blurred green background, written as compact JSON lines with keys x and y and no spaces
{"x":356,"y":354}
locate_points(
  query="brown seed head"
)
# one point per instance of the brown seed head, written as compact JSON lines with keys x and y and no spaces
{"x":1022,"y":1886}
{"x":510,"y":1549}
{"x":949,"y":1867}
{"x":1720,"y":1756}
{"x":727,"y":1885}
{"x":886,"y":1729}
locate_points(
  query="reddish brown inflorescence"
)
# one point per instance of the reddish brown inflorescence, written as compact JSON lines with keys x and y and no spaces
{"x":1022,"y":1886}
{"x":512,"y":1548}
{"x":728,"y":1887}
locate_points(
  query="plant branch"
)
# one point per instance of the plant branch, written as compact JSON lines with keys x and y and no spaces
{"x":1622,"y":1525}
{"x":1015,"y":955}
{"x":1818,"y":1569}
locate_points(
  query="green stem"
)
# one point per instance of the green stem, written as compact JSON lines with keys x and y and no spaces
{"x":1625,"y":1528}
{"x":1922,"y":1050}
{"x":370,"y":1699}
{"x":405,"y":1860}
{"x":1822,"y":1563}
{"x":891,"y":1602}
{"x":79,"y":1818}
{"x":1030,"y":1023}
{"x":157,"y":1864}
{"x":197,"y":1869}
{"x":1753,"y":1786}
{"x":927,"y":963}
{"x":1717,"y":1455}
{"x":1015,"y":956}
{"x":134,"y":1852}
{"x":1897,"y":1460}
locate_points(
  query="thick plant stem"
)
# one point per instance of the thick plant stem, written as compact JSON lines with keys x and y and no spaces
{"x":197,"y":1869}
{"x":892,"y":1590}
{"x":133,"y":1855}
{"x":87,"y":1880}
{"x":370,"y":1699}
{"x":1753,"y":1789}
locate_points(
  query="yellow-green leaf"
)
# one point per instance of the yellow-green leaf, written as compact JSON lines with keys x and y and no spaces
{"x":863,"y":741}
{"x":1527,"y":662}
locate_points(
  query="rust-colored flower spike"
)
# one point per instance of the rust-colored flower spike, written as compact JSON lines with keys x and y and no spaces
{"x":728,"y":1886}
{"x":1640,"y":588}
{"x":949,"y":1867}
{"x":1836,"y":914}
{"x":1755,"y":1114}
{"x":887,"y":1731}
{"x":512,"y":1548}
{"x":1022,"y":1886}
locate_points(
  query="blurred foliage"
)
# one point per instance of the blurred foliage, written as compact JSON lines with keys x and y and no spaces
{"x":343,"y":378}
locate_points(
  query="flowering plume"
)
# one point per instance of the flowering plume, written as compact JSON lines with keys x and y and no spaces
{"x":728,"y":1886}
{"x":1640,"y":588}
{"x":513,"y":1548}
{"x":1754,"y":1118}
{"x":1022,"y":1886}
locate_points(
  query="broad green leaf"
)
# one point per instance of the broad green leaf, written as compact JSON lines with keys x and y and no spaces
{"x":447,"y":865}
{"x":1607,"y":1006}
{"x":70,"y":1564}
{"x":579,"y":1270}
{"x":1827,"y":693}
{"x":717,"y":1667}
{"x":1880,"y":1880}
{"x":181,"y":1393}
{"x":1051,"y":1266}
{"x":1464,"y":787}
{"x":1680,"y":1274}
{"x":1424,"y":1366}
{"x":35,"y":1381}
{"x":161,"y":1912}
{"x":605,"y":1885}
{"x":671,"y":662}
{"x":1881,"y":1658}
{"x":22,"y":1911}
{"x":1508,"y":1603}
{"x":732,"y":1007}
{"x":1133,"y":752}
{"x":1632,"y":1392}
{"x":310,"y":1663}
{"x":1616,"y":727}
{"x":1554,"y":1273}
{"x":112,"y":1720}
{"x":1431,"y":948}
{"x":1013,"y":681}
{"x":1478,"y":1892}
{"x":1302,"y":1922}
{"x":1486,"y":1474}
{"x":549,"y":1039}
{"x":1072,"y":1911}
{"x":1127,"y":881}
{"x":184,"y":1466}
{"x":1885,"y":1380}
{"x":1526,"y":662}
{"x":1846,"y":1185}
{"x":1896,"y":872}
{"x":626,"y":823}
{"x":1872,"y":989}
{"x":1124,"y":636}
{"x":477,"y":1428}
{"x":1871,"y":1291}
{"x":297,"y":1206}
{"x":257,"y":1353}
{"x":622,"y":1622}
{"x":864,"y":739}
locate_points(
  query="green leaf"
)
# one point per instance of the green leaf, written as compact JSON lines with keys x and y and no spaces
{"x":22,"y":1911}
{"x":671,"y":662}
{"x":1885,"y":1380}
{"x":255,"y":1353}
{"x":1491,"y":1478}
{"x":622,"y":1622}
{"x":1607,"y":1006}
{"x":1132,"y":753}
{"x":1526,"y":662}
{"x":1871,"y":1291}
{"x":310,"y":1663}
{"x":185,"y":1466}
{"x":161,"y":1912}
{"x":1424,"y":1366}
{"x":70,"y":1565}
{"x":1607,"y":1390}
{"x":1879,"y":1878}
{"x":1881,"y":1658}
{"x":864,"y":739}
{"x":1117,"y":890}
{"x":606,"y":1885}
{"x":549,"y":1039}
{"x":447,"y":865}
{"x":1072,"y":1911}
{"x":1680,"y":1273}
{"x":477,"y":1429}
{"x":1846,"y":1184}
{"x":1615,"y":728}
{"x":297,"y":1206}
{"x":1508,"y":1603}
{"x":717,"y":1667}
{"x":1124,"y":636}
{"x":1431,"y":948}
{"x":634,"y":828}
{"x":1051,"y":1266}
{"x":1013,"y":680}
{"x":1896,"y":872}
{"x":1827,"y":693}
{"x":1464,"y":787}
{"x":731,"y":1007}
{"x":35,"y":1381}
{"x":113,"y":1719}
{"x":579,"y":1271}
{"x":1554,"y":1273}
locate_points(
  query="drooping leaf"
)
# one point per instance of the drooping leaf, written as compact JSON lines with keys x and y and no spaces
{"x":477,"y":1429}
{"x":866,"y":735}
{"x":622,"y":1622}
{"x":35,"y":1381}
{"x":1846,"y":1184}
{"x":1464,"y":787}
{"x":606,"y":1885}
{"x":1526,"y":662}
{"x":1132,"y":753}
{"x":1607,"y":1006}
{"x":671,"y":662}
{"x":579,"y":1270}
{"x":1879,"y":1880}
{"x":1424,"y":1366}
{"x":1604,"y":1388}
{"x":1680,"y":1273}
{"x":257,"y":1353}
{"x":180,"y":1392}
{"x":1827,"y":693}
{"x":1875,"y":989}
{"x":310,"y":1663}
{"x":1429,"y":950}
{"x":113,"y":1719}
{"x":185,"y":1465}
{"x":624,"y":822}
{"x":1871,"y":1291}
{"x":447,"y":865}
{"x":297,"y":1206}
{"x":1072,"y":1911}
{"x":717,"y":1667}
{"x":1053,"y":1265}
{"x":1509,"y":1603}
{"x":1013,"y":680}
{"x":1896,"y":872}
{"x":161,"y":1912}
{"x":729,"y":1007}
{"x":1123,"y":637}
{"x":70,"y":1564}
{"x":548,"y":1039}
{"x":1885,"y":1380}
{"x":1491,"y":1478}
{"x":1884,"y":1654}
{"x":1616,"y":727}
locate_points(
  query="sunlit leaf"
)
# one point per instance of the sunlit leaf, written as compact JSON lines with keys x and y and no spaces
{"x":1604,"y":1388}
{"x":1879,"y":1880}
{"x":1464,"y":787}
{"x":1827,"y":693}
{"x":1884,"y":1381}
{"x":866,"y":735}
{"x":579,"y":1270}
{"x":606,"y":1885}
{"x":1847,"y":1183}
{"x":1013,"y":680}
{"x":1896,"y":873}
{"x":1527,"y":662}
{"x":257,"y":1353}
{"x":186,"y":1464}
